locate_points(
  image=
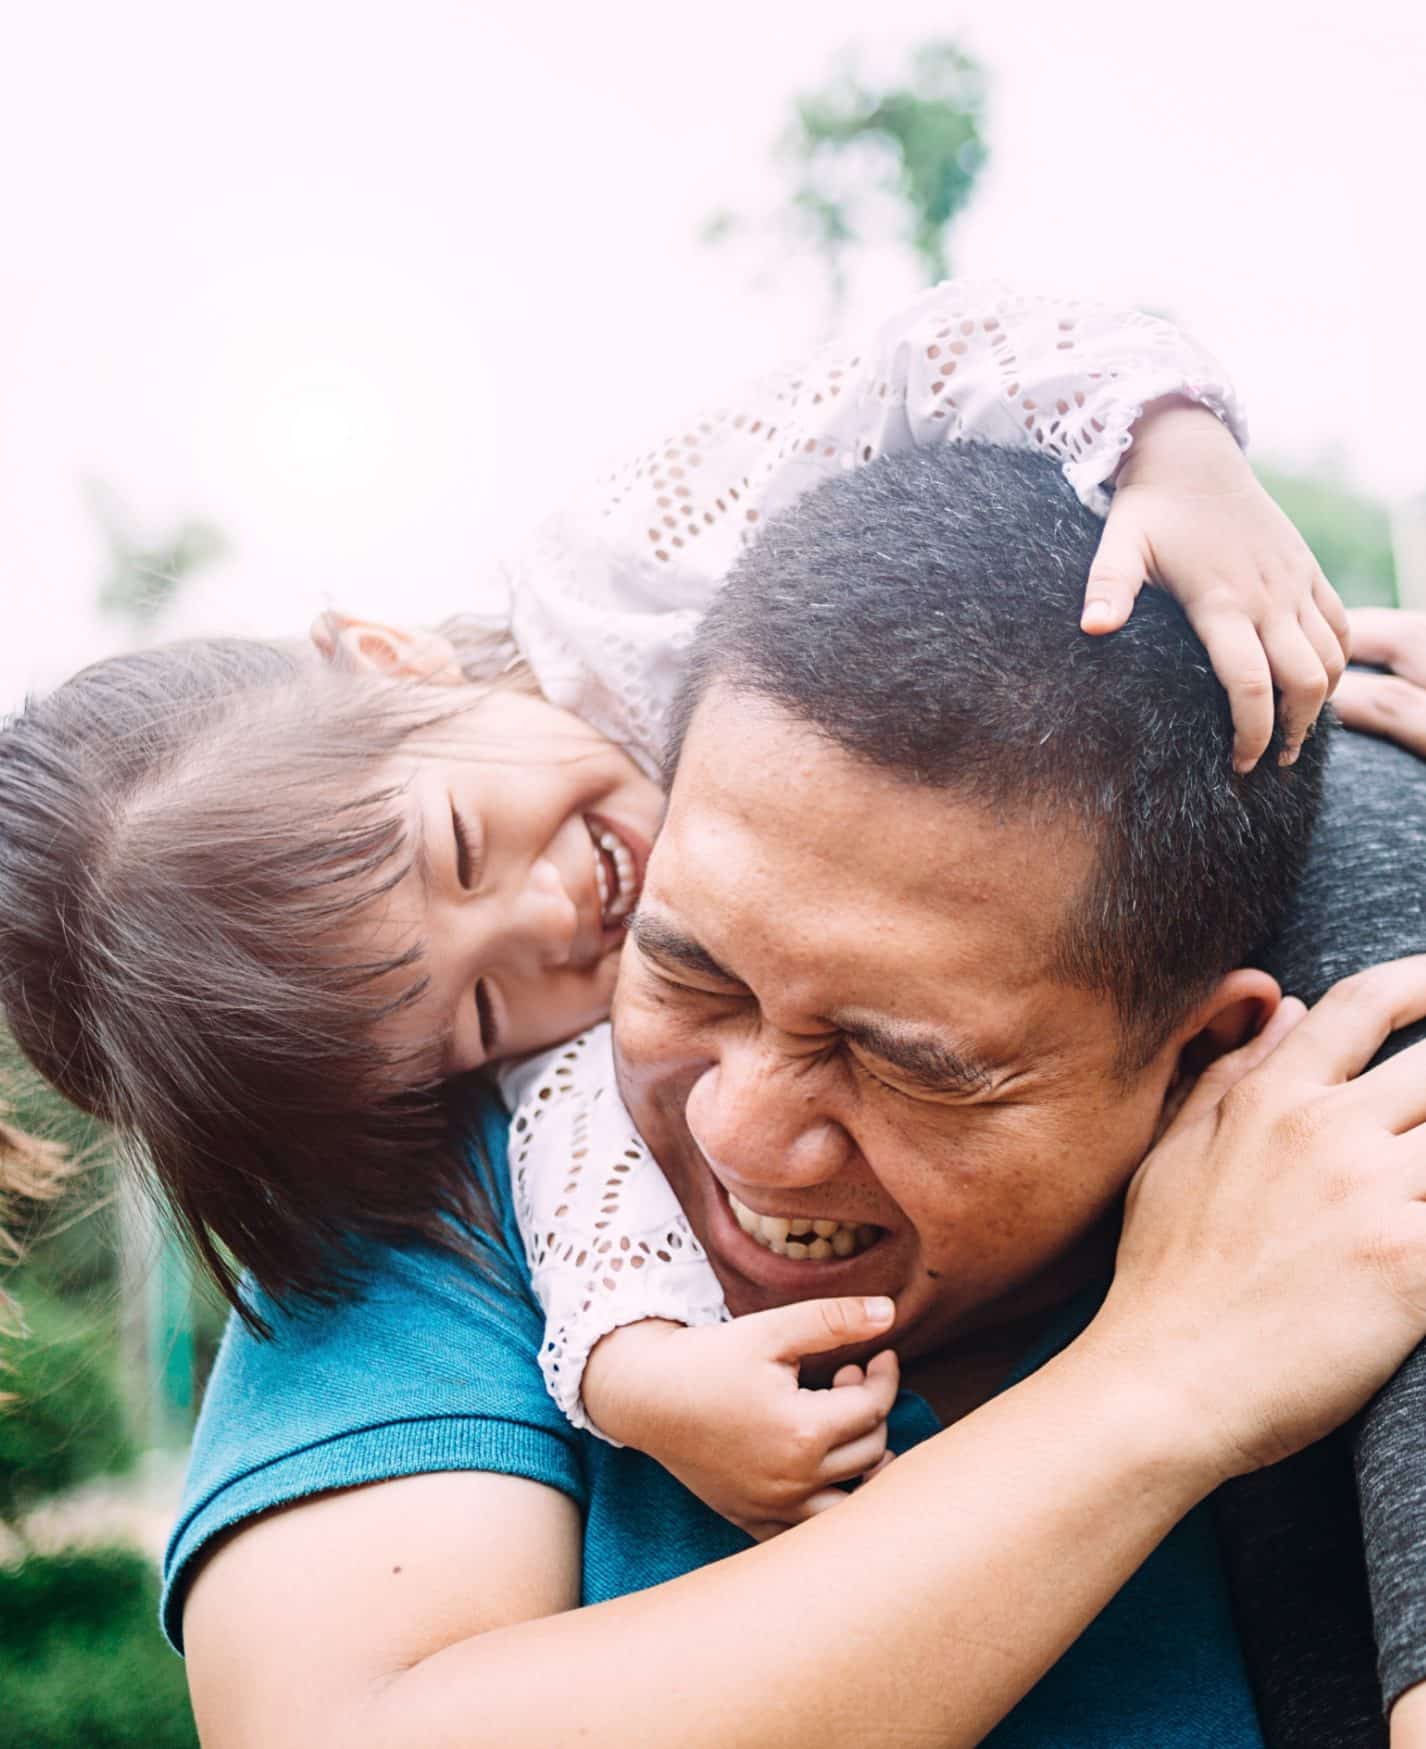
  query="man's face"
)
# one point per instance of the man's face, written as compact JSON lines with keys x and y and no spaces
{"x":837,"y":1006}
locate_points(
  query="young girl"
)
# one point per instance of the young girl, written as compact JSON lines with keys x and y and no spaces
{"x":257,"y":909}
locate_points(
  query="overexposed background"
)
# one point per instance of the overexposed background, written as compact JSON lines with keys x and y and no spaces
{"x":370,"y":285}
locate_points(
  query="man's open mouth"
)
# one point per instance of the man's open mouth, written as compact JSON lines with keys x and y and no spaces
{"x":616,"y":872}
{"x":801,"y":1238}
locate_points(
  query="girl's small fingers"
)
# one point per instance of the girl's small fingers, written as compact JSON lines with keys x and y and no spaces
{"x":1115,"y":578}
{"x":815,"y":1504}
{"x":848,"y":1375}
{"x":788,"y":1333}
{"x":761,"y":1530}
{"x":1301,"y":680}
{"x":854,"y":1410}
{"x":1325,"y":642}
{"x":886,"y":1366}
{"x":846,"y":1462}
{"x":1330,"y":605}
{"x":1241,"y":664}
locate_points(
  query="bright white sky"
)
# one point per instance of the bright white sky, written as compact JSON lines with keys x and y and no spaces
{"x":372,"y":284}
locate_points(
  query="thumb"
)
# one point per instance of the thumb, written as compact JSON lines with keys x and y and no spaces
{"x":1115,"y":579}
{"x":815,"y":1326}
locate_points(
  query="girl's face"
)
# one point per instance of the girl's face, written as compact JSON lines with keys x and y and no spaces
{"x":531,"y":833}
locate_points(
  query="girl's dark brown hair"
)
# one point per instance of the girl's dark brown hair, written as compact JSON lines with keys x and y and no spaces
{"x":189,"y":837}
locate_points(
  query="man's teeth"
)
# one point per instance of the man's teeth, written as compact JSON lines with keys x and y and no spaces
{"x":619,"y":903}
{"x":801,"y":1238}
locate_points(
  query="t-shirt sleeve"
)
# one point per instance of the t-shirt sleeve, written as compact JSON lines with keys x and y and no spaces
{"x":433,"y":1365}
{"x":1362,"y":901}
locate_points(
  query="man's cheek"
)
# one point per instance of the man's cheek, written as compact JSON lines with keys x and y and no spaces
{"x":654,"y":1031}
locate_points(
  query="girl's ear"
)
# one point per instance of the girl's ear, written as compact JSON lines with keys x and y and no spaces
{"x":363,"y":646}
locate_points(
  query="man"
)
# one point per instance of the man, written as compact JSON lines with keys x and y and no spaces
{"x":910,"y":954}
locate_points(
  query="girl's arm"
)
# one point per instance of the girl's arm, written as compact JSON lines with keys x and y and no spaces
{"x":628,"y":1296}
{"x":605,"y":1237}
{"x":605,"y":597}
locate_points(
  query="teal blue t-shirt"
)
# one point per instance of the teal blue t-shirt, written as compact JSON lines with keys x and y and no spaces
{"x":436,"y":1368}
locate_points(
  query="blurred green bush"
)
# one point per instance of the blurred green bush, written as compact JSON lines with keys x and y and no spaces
{"x":1349,"y":532}
{"x":65,"y":1420}
{"x":82,"y":1662}
{"x":83,"y":1666}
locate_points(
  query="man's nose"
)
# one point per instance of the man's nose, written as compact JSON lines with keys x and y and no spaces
{"x":758,"y":1116}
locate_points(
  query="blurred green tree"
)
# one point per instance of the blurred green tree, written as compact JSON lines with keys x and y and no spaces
{"x":1349,"y":531}
{"x":919,"y":141}
{"x":65,"y":1421}
{"x":145,"y":576}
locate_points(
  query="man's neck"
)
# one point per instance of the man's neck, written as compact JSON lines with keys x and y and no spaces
{"x":957,"y":1380}
{"x":962,"y":1374}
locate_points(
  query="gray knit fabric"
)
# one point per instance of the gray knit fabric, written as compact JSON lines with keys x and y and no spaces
{"x":1363,"y":900}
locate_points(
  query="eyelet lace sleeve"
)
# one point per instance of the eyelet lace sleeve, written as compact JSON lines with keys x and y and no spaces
{"x":606,"y":595}
{"x":606,"y":1239}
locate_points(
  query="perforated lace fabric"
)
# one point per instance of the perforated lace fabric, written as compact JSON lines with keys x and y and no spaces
{"x":603,"y":601}
{"x":606,"y":1239}
{"x":605,"y":596}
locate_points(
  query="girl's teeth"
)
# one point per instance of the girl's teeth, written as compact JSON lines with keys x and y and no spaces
{"x":800,"y":1238}
{"x":621,"y":901}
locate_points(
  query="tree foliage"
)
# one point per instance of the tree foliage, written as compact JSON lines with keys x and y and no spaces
{"x":64,"y":1421}
{"x":145,"y":575}
{"x":1349,"y":532}
{"x":853,"y":144}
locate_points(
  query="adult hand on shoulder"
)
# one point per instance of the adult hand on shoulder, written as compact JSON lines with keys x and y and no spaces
{"x":1392,"y":704}
{"x":1272,"y":1271}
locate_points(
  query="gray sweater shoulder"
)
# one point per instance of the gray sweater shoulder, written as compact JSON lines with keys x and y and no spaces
{"x":1363,"y":900}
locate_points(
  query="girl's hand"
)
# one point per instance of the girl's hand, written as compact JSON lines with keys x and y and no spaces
{"x":721,"y":1406}
{"x":1392,"y":704}
{"x":1189,"y":515}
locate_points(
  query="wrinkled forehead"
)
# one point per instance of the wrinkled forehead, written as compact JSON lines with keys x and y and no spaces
{"x":781,"y":845}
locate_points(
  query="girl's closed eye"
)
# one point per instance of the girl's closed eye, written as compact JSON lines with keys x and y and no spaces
{"x":467,"y":846}
{"x":485,"y":1010}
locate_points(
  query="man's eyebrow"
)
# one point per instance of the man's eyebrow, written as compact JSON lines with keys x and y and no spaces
{"x":664,"y":941}
{"x":926,"y":1059}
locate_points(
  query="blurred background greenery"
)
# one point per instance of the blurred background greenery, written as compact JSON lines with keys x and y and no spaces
{"x":110,"y":1340}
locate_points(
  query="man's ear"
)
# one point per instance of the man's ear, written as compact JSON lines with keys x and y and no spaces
{"x":1237,"y":1009}
{"x":363,"y":646}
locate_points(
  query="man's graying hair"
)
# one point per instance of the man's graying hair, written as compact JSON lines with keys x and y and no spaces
{"x":923,"y":612}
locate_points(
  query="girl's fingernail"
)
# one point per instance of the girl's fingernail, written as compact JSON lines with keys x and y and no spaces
{"x":1288,"y":756}
{"x":879,"y":1310}
{"x":1096,"y":616}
